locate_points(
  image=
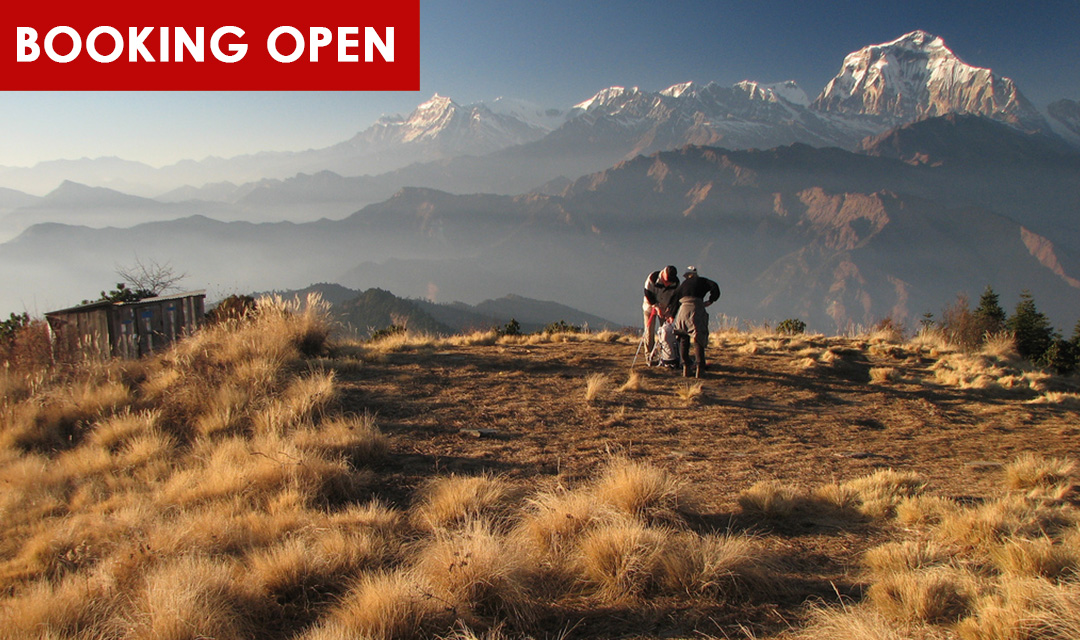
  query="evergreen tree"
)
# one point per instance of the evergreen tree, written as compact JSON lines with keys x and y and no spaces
{"x":1076,"y":334}
{"x":989,"y":315}
{"x":1032,"y":329}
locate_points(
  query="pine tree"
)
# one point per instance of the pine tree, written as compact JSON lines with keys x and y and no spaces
{"x":989,"y":315}
{"x":1032,"y":329}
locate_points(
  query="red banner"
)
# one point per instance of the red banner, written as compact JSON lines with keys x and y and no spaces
{"x":202,"y":45}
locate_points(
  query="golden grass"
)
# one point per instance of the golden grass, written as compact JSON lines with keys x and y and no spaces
{"x":634,"y":382}
{"x":881,"y":491}
{"x":643,"y":491}
{"x":939,"y":595}
{"x":1031,"y":472}
{"x":381,"y":606}
{"x":356,"y":438}
{"x":621,"y":560}
{"x":719,"y":566}
{"x":475,"y":572}
{"x":452,"y":501}
{"x":690,"y":391}
{"x":1001,"y":345}
{"x":552,"y":522}
{"x":595,"y":384}
{"x":189,"y":597}
{"x":857,"y":622}
{"x":771,"y":500}
{"x":885,"y":375}
{"x":219,"y":490}
{"x":905,"y":557}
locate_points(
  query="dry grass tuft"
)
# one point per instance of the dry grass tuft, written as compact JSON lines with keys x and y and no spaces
{"x":882,"y":491}
{"x":356,"y":438}
{"x":595,"y":384}
{"x":1031,"y":472}
{"x":454,"y":501}
{"x":621,"y":560}
{"x":381,"y":606}
{"x":860,"y":622}
{"x":924,"y":510}
{"x":474,"y":572}
{"x":553,"y":521}
{"x":691,"y":391}
{"x":728,"y":567}
{"x":885,"y":375}
{"x":905,"y":557}
{"x":634,"y":382}
{"x":935,"y":596}
{"x":188,"y":597}
{"x":1001,"y":345}
{"x":771,"y":500}
{"x":1035,"y":557}
{"x":642,"y":491}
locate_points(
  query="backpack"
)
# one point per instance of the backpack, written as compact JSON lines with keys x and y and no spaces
{"x":666,"y":350}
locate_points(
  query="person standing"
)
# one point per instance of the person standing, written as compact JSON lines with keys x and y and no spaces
{"x":691,"y":320}
{"x":659,"y":295}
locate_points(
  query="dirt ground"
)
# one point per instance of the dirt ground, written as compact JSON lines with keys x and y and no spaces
{"x":521,"y":411}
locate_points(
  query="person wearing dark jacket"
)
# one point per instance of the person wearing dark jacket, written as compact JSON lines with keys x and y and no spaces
{"x":659,"y":295}
{"x":691,"y":320}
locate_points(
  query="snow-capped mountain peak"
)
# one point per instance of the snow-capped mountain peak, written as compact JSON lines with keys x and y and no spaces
{"x":917,"y":76}
{"x":606,"y":97}
{"x":676,"y":91}
{"x":545,"y":118}
{"x":787,"y":91}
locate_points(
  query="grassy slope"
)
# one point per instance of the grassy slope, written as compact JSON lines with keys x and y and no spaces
{"x":250,"y":485}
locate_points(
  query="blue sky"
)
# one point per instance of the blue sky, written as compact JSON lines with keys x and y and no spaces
{"x":554,"y":53}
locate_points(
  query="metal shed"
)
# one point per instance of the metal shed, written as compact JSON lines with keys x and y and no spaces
{"x":124,"y":329}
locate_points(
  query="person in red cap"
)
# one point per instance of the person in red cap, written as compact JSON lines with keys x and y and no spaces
{"x":659,"y":291}
{"x":691,"y":319}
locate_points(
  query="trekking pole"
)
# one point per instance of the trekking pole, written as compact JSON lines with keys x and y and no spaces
{"x":639,"y":345}
{"x":644,"y":335}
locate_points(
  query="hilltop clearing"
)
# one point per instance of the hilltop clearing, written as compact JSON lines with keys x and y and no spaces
{"x":259,"y":481}
{"x":803,"y":410}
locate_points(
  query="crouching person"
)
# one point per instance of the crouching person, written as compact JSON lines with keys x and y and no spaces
{"x":656,"y":307}
{"x":691,"y":320}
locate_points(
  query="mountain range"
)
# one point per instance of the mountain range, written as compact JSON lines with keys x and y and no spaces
{"x":911,"y":177}
{"x":363,"y":312}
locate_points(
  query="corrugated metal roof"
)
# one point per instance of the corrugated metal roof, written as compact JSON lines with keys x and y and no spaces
{"x":105,"y":303}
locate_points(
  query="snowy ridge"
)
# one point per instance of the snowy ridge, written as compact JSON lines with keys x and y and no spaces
{"x":917,"y":76}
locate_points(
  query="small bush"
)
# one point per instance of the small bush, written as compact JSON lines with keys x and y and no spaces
{"x":234,"y":307}
{"x":561,"y":327}
{"x":791,"y":327}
